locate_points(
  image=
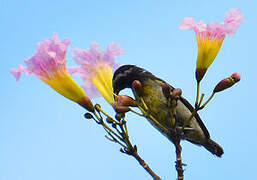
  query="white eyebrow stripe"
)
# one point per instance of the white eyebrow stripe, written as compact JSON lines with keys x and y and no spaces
{"x":124,"y":74}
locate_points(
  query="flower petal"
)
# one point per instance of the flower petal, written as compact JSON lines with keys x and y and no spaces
{"x":187,"y":23}
{"x":96,"y":68}
{"x":233,"y":20}
{"x":16,"y":72}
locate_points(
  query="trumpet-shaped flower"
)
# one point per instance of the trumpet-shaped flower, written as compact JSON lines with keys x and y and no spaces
{"x":210,"y":38}
{"x":49,"y":64}
{"x":96,"y":68}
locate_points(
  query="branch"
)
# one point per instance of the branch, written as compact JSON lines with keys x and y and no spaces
{"x":121,"y":137}
{"x":142,"y":162}
{"x":179,"y":164}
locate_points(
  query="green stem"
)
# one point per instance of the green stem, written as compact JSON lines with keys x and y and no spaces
{"x":137,"y":113}
{"x":126,"y":128}
{"x":201,"y":100}
{"x":143,"y":102}
{"x":126,"y":139}
{"x":197,"y":94}
{"x":165,"y":130}
{"x":108,"y":128}
{"x":173,"y":120}
{"x":207,"y":101}
{"x":172,"y":111}
{"x":197,"y":109}
{"x":114,"y":139}
{"x":107,"y":115}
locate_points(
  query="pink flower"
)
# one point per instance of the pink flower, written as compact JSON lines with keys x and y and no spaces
{"x":96,"y":68}
{"x":210,"y":38}
{"x":48,"y":61}
{"x":49,"y":64}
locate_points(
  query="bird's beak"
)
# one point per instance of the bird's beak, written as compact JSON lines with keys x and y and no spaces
{"x":115,"y":93}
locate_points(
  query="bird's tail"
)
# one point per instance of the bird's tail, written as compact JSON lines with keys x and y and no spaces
{"x":214,"y":148}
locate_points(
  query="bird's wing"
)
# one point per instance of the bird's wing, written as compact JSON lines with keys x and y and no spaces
{"x":197,"y":117}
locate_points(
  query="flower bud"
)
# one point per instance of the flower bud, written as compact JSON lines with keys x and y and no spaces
{"x":120,"y":108}
{"x":119,"y":116}
{"x":88,"y":116}
{"x":125,"y":100}
{"x":98,"y":107}
{"x":137,"y":87}
{"x":109,"y":120}
{"x":176,"y":93}
{"x":227,"y":82}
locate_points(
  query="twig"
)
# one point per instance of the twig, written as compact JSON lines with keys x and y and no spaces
{"x":179,"y":164}
{"x":143,"y":164}
{"x":210,"y":98}
{"x":136,"y":112}
{"x":122,"y":139}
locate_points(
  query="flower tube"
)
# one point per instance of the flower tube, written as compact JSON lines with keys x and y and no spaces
{"x":96,"y":68}
{"x":210,"y":38}
{"x":49,"y":65}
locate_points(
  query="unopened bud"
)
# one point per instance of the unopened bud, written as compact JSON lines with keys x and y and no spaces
{"x":199,"y":74}
{"x":86,"y":103}
{"x":125,"y":100}
{"x":236,"y":77}
{"x":176,"y":93}
{"x":227,"y":83}
{"x":88,"y":116}
{"x":97,"y":107}
{"x":109,"y":120}
{"x":137,"y":87}
{"x":120,"y":108}
{"x":118,"y":116}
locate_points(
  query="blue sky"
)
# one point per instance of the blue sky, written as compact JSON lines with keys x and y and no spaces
{"x":44,"y":136}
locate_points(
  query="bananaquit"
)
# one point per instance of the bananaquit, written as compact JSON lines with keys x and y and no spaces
{"x":157,"y":104}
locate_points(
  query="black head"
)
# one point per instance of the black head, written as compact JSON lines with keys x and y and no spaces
{"x":125,"y":75}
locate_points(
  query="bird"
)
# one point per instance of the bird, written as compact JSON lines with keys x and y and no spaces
{"x":157,"y":104}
